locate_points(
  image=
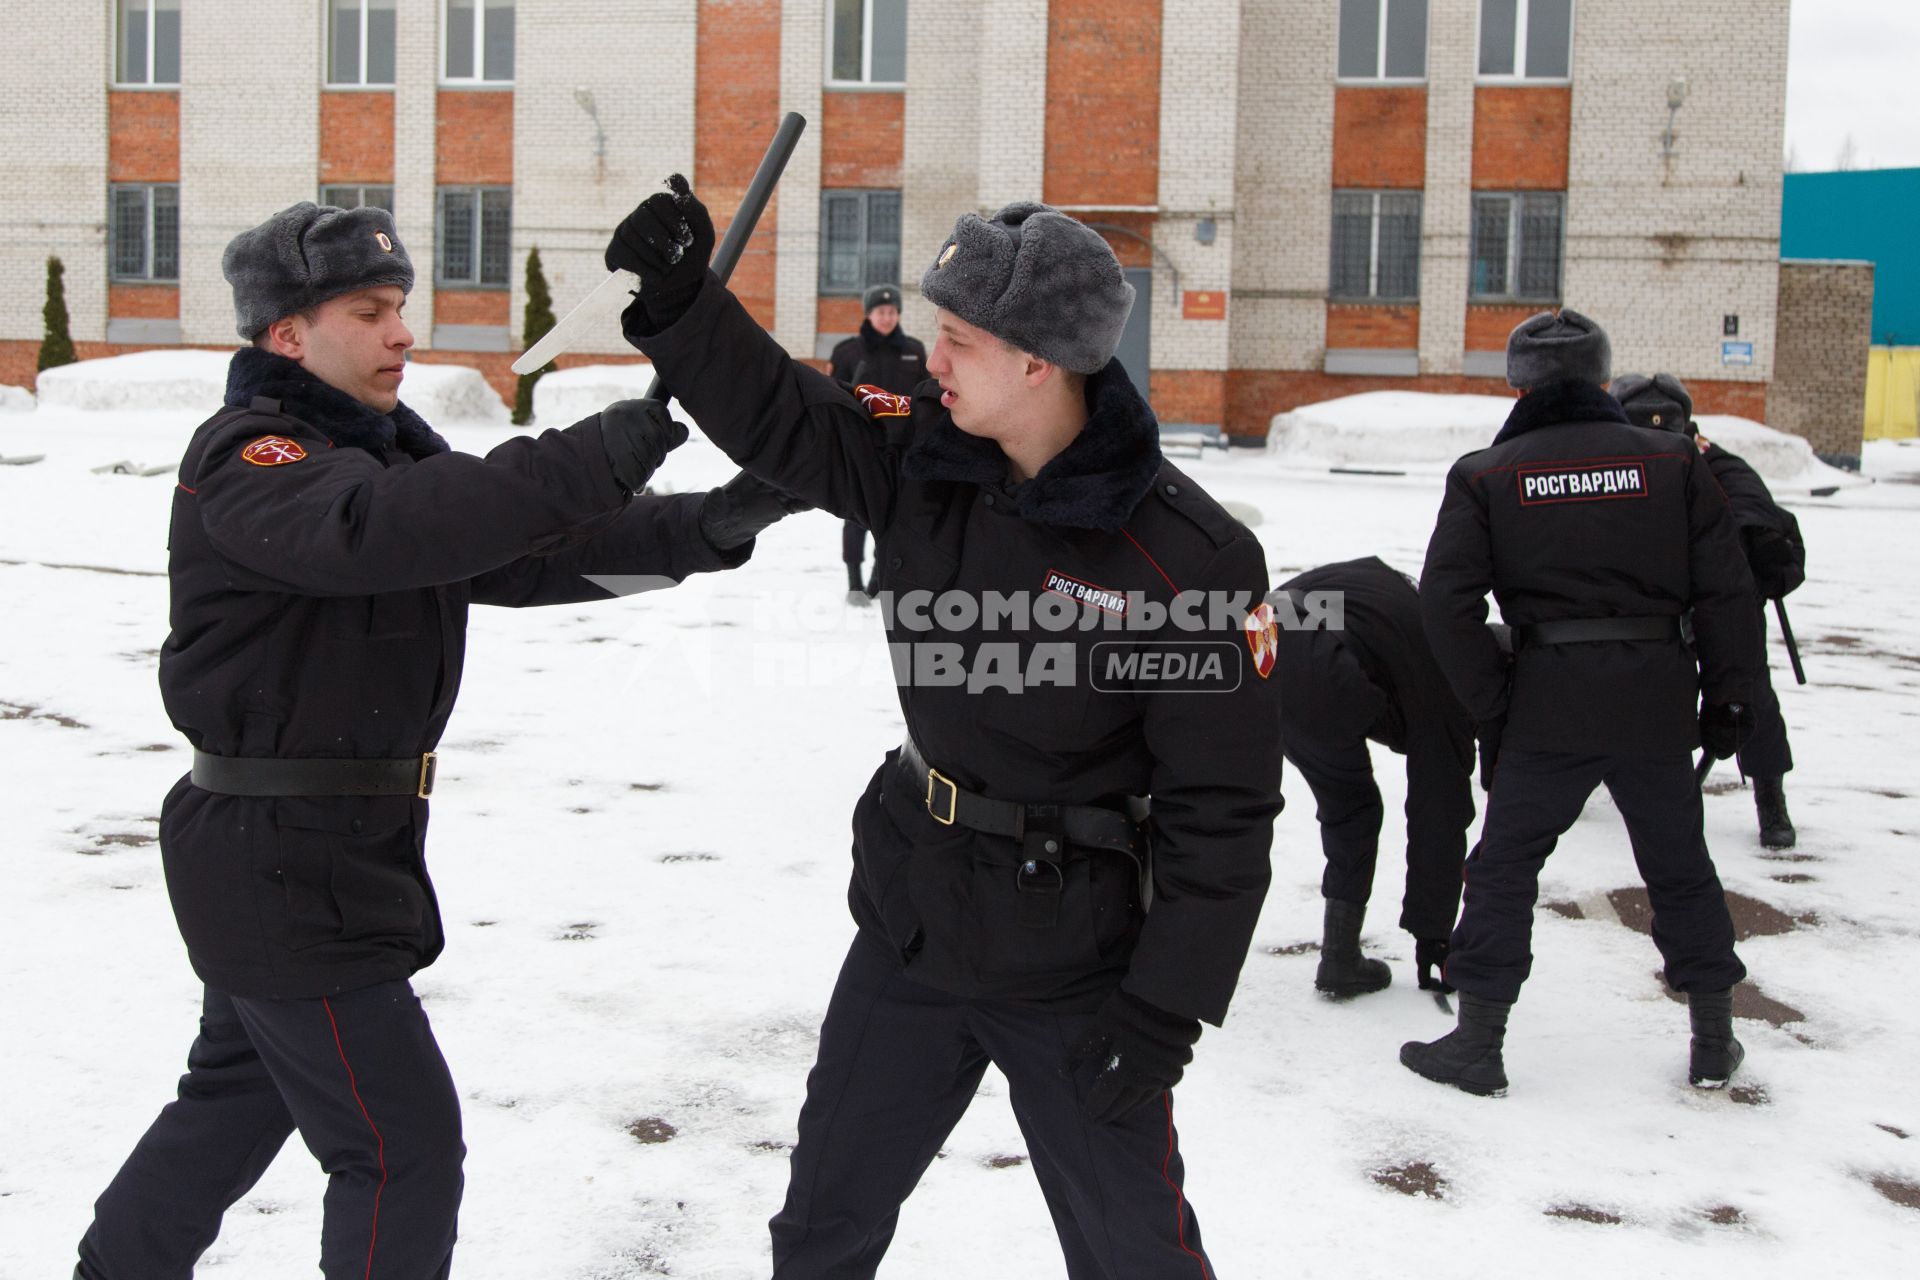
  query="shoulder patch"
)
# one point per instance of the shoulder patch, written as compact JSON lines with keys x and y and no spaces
{"x":273,"y":451}
{"x":881,"y":403}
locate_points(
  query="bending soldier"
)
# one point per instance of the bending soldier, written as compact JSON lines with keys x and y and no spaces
{"x":1372,"y":677}
{"x":1776,"y":556}
{"x":325,"y":546}
{"x":1594,"y":536}
{"x":997,"y":881}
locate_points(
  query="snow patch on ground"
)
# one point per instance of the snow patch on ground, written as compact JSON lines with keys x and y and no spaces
{"x":1415,"y":431}
{"x":451,"y":393}
{"x":565,"y":396}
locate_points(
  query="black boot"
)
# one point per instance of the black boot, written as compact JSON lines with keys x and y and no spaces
{"x":1715,"y":1054}
{"x":1770,"y":800}
{"x":1343,"y":970}
{"x":1468,"y":1057}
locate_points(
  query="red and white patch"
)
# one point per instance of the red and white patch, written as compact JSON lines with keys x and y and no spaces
{"x":1263,"y":637}
{"x":884,"y":404}
{"x":273,"y":451}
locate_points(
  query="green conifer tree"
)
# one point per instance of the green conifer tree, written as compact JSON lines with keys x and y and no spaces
{"x":536,"y":321}
{"x":56,"y":345}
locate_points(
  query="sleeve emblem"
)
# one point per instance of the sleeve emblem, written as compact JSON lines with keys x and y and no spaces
{"x":884,"y":404}
{"x":1263,"y":638}
{"x":273,"y":451}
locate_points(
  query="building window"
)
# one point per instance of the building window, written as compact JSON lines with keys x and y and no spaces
{"x":478,"y":36}
{"x":860,"y":240}
{"x":867,"y":41}
{"x":1376,"y":246}
{"x":143,"y":233}
{"x":475,"y":237}
{"x":1526,"y":39}
{"x":1383,"y":39}
{"x":360,"y":42}
{"x":147,"y":43}
{"x":358,"y":197}
{"x":1517,"y":242}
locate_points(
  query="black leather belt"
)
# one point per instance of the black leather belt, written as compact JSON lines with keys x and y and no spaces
{"x":1072,"y":824}
{"x":265,"y":776}
{"x":1588,"y":630}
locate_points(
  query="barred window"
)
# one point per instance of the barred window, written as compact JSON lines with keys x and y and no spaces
{"x":475,"y":237}
{"x":360,"y":41}
{"x":358,"y":197}
{"x":477,"y":36}
{"x":1526,"y":39}
{"x":1376,"y":246}
{"x":1383,"y":39}
{"x":1517,"y":246}
{"x":867,"y":41}
{"x":147,"y":42}
{"x":859,"y":240}
{"x":143,"y":232}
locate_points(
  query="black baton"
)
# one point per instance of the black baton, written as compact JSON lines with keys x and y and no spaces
{"x":752,"y":205}
{"x":1793,"y":649}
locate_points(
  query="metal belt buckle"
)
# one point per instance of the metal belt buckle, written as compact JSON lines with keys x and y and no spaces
{"x":429,"y":766}
{"x":953,"y":796}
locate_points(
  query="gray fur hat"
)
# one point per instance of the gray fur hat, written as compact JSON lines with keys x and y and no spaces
{"x":1566,"y":347}
{"x":881,"y":295}
{"x":302,"y":256}
{"x":1660,"y":402}
{"x":1038,"y":279}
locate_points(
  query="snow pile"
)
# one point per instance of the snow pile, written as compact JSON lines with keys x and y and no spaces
{"x":1403,"y":429}
{"x":565,"y":396}
{"x":15,"y":400}
{"x":143,"y":382}
{"x":447,"y":393}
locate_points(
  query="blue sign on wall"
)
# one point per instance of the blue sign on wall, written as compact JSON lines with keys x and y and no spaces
{"x":1736,"y":353}
{"x":1863,"y":216}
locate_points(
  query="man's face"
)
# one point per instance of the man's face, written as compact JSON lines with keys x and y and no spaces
{"x":884,"y":318}
{"x":983,"y":381}
{"x":356,"y":343}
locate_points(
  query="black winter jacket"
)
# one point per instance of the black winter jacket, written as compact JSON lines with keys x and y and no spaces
{"x":1108,"y":530}
{"x":1576,"y":513}
{"x":893,"y":362}
{"x":322,"y":560}
{"x":1770,"y":533}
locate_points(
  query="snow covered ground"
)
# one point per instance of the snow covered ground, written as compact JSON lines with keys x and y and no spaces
{"x":640,"y":844}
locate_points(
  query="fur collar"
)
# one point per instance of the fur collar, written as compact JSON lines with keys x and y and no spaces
{"x":1094,"y":483}
{"x":872,"y":339}
{"x":337,"y":415}
{"x":1558,"y":403}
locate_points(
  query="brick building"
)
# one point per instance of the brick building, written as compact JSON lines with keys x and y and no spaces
{"x":1314,"y":196}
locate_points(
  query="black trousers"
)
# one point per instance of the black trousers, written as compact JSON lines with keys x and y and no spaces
{"x":1348,"y":805}
{"x":360,"y":1076}
{"x":1766,"y":754}
{"x":1536,"y":796}
{"x":899,"y":1063}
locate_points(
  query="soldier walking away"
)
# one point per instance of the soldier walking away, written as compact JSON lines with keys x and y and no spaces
{"x":1001,"y":877}
{"x":1777,"y":557}
{"x":325,"y":546}
{"x":1372,"y":677}
{"x":880,"y":355}
{"x":1595,"y":537}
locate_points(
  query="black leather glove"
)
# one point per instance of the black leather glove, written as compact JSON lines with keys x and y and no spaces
{"x":638,"y":435}
{"x":667,"y":241}
{"x":736,"y":512}
{"x":1489,"y":732}
{"x":1131,"y":1055}
{"x":1779,"y":566}
{"x":1430,"y":954}
{"x":1724,"y":727}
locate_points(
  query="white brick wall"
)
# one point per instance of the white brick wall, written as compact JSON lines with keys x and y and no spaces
{"x":803,"y":57}
{"x":1283,"y":200}
{"x":250,"y":73}
{"x":1446,"y":207}
{"x":416,"y":111}
{"x":941,"y":167}
{"x":1012,"y":137}
{"x":1199,"y":70}
{"x":1656,"y":252}
{"x":53,"y":168}
{"x":637,"y":62}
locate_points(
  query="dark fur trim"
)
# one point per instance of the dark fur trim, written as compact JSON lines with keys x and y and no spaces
{"x":1561,"y":402}
{"x":1093,"y":483}
{"x":337,"y":415}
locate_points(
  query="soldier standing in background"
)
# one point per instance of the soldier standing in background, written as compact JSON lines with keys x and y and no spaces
{"x":880,"y":355}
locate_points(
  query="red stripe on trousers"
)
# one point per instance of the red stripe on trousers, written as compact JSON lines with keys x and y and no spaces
{"x":373,"y":1229}
{"x":1179,"y":1198}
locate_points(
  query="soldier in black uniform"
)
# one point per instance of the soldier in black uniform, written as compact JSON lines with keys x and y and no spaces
{"x":1047,"y":571}
{"x":1777,"y":557}
{"x":325,"y":545}
{"x":1595,"y":537}
{"x":880,"y":355}
{"x":1370,"y":676}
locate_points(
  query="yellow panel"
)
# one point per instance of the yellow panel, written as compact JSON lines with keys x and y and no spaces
{"x":1893,"y":393}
